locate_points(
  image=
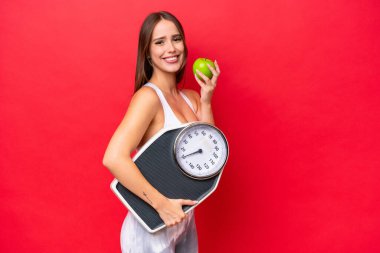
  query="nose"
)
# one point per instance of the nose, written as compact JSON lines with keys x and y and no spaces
{"x":171,"y":47}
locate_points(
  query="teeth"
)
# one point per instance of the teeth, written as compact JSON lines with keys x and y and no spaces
{"x":171,"y":58}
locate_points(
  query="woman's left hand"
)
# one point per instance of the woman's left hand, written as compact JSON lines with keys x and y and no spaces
{"x":208,"y":86}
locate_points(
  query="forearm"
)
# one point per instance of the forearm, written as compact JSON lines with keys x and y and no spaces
{"x":128,"y":174}
{"x":206,"y":114}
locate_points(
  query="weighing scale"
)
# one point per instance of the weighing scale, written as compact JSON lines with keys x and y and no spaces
{"x":183,"y":162}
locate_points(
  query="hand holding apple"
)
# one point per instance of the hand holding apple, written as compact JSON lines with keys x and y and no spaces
{"x":208,"y":71}
{"x":201,"y":65}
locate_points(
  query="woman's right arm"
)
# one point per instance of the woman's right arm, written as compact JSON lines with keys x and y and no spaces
{"x":117,"y":158}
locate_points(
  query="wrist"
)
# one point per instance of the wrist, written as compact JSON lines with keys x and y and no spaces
{"x":159,"y":202}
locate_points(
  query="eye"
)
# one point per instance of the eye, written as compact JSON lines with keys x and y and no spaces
{"x":159,"y":42}
{"x":178,"y":38}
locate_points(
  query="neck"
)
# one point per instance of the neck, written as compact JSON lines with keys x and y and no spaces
{"x":165,"y":81}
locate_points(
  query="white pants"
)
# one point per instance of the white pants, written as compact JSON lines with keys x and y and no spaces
{"x":181,"y":238}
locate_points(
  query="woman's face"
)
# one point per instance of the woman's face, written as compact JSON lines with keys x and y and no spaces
{"x":166,"y":47}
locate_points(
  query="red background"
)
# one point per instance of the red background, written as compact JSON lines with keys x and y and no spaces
{"x":298,"y":99}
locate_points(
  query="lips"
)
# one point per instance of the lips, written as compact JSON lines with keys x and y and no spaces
{"x":171,"y":59}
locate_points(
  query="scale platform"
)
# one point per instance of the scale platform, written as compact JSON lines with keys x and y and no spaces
{"x":157,"y":163}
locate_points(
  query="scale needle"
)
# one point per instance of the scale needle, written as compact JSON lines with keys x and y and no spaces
{"x":198,"y":151}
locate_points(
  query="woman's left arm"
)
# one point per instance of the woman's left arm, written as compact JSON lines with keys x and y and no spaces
{"x":204,"y":111}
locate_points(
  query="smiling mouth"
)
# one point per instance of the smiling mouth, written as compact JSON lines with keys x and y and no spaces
{"x":171,"y":59}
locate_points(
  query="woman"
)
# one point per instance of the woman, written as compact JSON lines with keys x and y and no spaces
{"x":158,"y":103}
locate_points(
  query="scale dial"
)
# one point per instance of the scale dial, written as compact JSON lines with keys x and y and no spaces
{"x":201,"y":150}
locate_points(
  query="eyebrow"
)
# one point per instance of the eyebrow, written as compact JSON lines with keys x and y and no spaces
{"x":163,"y":37}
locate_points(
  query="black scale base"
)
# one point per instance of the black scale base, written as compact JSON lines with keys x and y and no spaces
{"x":157,"y":164}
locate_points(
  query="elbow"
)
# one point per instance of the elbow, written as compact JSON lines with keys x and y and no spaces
{"x":113,"y":162}
{"x":107,"y":162}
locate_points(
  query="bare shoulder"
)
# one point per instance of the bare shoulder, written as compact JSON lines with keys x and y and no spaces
{"x":143,"y":107}
{"x":145,"y":95}
{"x":141,"y":111}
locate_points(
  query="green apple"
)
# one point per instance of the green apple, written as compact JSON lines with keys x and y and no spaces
{"x":201,"y":65}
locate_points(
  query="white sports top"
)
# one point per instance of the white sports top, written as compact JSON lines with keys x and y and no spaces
{"x":170,"y":118}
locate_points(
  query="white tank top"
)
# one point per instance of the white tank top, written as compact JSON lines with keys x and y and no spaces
{"x":170,"y":118}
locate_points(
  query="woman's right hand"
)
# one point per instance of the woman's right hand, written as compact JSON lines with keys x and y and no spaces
{"x":170,"y":210}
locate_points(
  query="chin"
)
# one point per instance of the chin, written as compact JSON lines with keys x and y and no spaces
{"x":171,"y":69}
